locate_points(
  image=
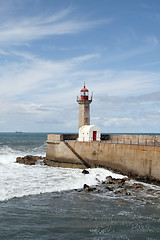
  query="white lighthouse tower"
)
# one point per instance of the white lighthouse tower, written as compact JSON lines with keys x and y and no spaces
{"x":87,"y":132}
{"x":84,"y":109}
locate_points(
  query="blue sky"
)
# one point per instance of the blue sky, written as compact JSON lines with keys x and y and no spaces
{"x":49,"y":48}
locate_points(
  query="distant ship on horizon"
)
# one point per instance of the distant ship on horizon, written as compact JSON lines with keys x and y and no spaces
{"x":18,"y":132}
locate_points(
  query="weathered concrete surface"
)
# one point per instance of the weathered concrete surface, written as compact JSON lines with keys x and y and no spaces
{"x":84,"y":112}
{"x":129,"y":159}
{"x":62,"y":156}
{"x":56,"y":138}
{"x":153,"y":140}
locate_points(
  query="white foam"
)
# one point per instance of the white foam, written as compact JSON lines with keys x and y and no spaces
{"x":39,"y":150}
{"x":5,"y":150}
{"x":19,"y":180}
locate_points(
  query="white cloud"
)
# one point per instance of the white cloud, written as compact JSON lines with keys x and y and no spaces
{"x":84,"y":58}
{"x":118,"y":122}
{"x":41,"y":91}
{"x":22,"y":30}
{"x":44,"y":81}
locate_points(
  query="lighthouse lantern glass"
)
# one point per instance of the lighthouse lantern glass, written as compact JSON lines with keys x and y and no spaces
{"x":84,"y":95}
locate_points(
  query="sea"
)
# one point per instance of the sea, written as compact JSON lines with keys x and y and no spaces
{"x":41,"y":202}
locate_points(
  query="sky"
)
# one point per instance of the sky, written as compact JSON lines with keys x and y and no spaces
{"x":48,"y":49}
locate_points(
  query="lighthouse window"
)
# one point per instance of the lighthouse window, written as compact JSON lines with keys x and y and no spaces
{"x":84,"y":93}
{"x":86,"y":120}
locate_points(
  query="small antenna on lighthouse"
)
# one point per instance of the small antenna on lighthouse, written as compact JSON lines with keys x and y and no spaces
{"x":92,"y":96}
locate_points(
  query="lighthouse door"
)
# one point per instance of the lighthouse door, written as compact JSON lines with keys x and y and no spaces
{"x":94,"y":135}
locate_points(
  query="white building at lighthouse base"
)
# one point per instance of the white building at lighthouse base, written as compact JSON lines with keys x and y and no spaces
{"x":89,"y":133}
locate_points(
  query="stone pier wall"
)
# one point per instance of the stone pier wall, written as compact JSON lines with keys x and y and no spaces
{"x":150,"y":140}
{"x":134,"y":159}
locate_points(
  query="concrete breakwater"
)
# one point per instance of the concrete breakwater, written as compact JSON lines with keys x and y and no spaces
{"x":134,"y":155}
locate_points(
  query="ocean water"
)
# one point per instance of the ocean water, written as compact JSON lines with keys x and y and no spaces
{"x":42,"y":202}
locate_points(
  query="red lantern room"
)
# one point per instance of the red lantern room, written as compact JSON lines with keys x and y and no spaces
{"x":84,"y":93}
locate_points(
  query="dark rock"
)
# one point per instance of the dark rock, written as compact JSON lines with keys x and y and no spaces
{"x":110,"y":185}
{"x":128,"y":187}
{"x":87,"y":188}
{"x":126,"y":179}
{"x":138,"y":186}
{"x":85,"y":172}
{"x":98,"y":180}
{"x":96,"y":190}
{"x":109,"y":188}
{"x":118,"y":192}
{"x":110,"y":182}
{"x":30,"y":160}
{"x":119,"y":181}
{"x":103,"y":182}
{"x":109,"y":179}
{"x":78,"y":190}
{"x":128,"y":193}
{"x":120,"y":185}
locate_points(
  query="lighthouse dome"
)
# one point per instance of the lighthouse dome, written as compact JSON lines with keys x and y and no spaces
{"x":84,"y":89}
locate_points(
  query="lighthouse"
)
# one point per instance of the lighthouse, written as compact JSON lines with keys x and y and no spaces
{"x":84,"y":110}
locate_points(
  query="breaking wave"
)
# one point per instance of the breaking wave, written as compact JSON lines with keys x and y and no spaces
{"x":18,"y":180}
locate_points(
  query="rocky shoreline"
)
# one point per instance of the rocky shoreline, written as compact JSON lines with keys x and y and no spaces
{"x":125,"y":187}
{"x":116,"y":186}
